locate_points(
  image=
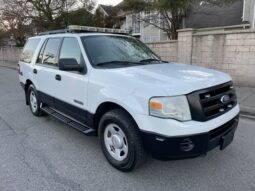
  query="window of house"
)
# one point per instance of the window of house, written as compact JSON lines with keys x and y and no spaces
{"x":29,"y":49}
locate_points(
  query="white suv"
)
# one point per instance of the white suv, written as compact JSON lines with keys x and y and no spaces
{"x":114,"y":86}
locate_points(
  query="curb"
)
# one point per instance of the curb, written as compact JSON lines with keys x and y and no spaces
{"x":247,"y":112}
{"x":9,"y":67}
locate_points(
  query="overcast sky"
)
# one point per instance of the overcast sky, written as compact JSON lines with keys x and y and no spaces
{"x":109,"y":2}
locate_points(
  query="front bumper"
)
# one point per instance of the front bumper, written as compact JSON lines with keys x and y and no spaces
{"x":190,"y":146}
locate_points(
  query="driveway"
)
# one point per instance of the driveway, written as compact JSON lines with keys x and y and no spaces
{"x":44,"y":154}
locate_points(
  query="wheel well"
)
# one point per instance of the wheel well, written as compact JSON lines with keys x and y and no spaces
{"x":28,"y":83}
{"x":105,"y":107}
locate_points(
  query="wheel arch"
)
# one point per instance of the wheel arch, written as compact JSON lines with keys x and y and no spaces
{"x":27,"y":84}
{"x":106,"y":107}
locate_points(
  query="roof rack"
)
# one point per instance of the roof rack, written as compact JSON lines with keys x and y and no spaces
{"x":85,"y":29}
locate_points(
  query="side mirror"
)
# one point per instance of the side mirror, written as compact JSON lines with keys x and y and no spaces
{"x":70,"y":64}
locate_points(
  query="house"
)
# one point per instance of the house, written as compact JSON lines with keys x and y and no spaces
{"x":240,"y":13}
{"x":108,"y":17}
{"x":249,"y":12}
{"x":105,"y":10}
{"x":142,"y":30}
{"x":207,"y":15}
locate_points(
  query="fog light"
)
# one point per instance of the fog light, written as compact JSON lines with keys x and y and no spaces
{"x":187,"y":145}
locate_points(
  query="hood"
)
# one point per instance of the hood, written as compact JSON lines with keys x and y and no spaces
{"x":173,"y":78}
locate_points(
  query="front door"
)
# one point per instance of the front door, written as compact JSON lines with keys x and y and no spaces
{"x":71,"y":89}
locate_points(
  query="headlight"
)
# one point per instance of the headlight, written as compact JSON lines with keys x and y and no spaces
{"x":170,"y":107}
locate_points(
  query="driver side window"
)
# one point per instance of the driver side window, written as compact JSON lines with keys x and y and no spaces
{"x":71,"y":50}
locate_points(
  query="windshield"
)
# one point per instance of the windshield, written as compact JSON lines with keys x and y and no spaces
{"x":121,"y":51}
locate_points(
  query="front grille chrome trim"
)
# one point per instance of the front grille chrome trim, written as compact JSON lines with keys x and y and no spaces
{"x":204,"y":107}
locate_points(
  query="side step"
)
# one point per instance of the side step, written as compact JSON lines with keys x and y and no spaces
{"x":79,"y":126}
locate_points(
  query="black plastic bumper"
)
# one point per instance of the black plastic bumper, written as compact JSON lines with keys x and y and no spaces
{"x":22,"y":85}
{"x":166,"y":148}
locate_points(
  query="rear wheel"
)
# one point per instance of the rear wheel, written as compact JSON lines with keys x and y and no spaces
{"x":120,"y":140}
{"x":34,"y":102}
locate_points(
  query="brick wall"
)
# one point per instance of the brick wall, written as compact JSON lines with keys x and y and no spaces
{"x":167,"y":49}
{"x":229,"y":51}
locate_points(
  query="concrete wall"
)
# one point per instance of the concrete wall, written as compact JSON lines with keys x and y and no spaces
{"x":167,"y":49}
{"x":231,"y":51}
{"x":10,"y":54}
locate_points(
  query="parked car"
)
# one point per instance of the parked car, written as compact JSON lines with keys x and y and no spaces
{"x":114,"y":86}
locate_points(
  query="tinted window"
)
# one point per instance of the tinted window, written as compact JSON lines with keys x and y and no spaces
{"x":71,"y":49}
{"x":40,"y":56}
{"x":50,"y":54}
{"x":102,"y":49}
{"x":29,"y":49}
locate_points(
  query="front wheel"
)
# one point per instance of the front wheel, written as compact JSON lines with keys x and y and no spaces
{"x":120,"y":140}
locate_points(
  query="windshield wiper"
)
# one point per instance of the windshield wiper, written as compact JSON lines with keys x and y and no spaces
{"x":150,"y":60}
{"x":118,"y":62}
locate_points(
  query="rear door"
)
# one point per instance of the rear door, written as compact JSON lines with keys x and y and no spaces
{"x":46,"y":69}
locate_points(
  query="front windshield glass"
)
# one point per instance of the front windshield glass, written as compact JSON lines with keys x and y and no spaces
{"x":106,"y":50}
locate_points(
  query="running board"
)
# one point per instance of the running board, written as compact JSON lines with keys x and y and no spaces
{"x":79,"y":126}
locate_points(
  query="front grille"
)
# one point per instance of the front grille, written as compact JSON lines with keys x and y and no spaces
{"x":212,"y":102}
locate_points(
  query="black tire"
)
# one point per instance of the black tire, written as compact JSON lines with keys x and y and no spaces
{"x":37,"y":112}
{"x":136,"y":154}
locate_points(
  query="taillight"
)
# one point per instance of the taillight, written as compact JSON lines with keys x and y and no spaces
{"x":18,"y":69}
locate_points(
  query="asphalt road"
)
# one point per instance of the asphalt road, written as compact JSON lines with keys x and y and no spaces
{"x":44,"y":154}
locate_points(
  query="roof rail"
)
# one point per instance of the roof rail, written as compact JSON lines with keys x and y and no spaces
{"x":54,"y":32}
{"x":83,"y":29}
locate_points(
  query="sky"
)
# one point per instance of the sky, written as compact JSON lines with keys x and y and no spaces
{"x":109,"y":2}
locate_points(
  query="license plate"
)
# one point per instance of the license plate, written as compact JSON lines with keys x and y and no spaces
{"x":227,"y":139}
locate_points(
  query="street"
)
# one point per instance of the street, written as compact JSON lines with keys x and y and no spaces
{"x":44,"y":154}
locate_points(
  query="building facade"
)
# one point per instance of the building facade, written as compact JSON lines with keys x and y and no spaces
{"x":240,"y":13}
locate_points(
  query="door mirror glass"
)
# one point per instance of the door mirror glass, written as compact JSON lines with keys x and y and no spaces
{"x":69,"y":64}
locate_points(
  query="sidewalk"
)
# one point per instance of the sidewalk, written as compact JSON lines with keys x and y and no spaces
{"x":246,"y":95}
{"x":246,"y":98}
{"x":11,"y":65}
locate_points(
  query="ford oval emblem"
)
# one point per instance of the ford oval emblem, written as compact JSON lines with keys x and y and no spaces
{"x":225,"y":99}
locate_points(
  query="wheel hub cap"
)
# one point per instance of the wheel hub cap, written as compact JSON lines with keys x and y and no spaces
{"x":33,"y":101}
{"x":116,"y":142}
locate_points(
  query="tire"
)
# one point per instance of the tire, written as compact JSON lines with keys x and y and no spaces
{"x":34,"y":101}
{"x":120,"y":140}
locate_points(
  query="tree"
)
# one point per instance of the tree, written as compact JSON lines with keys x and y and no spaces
{"x":166,"y":15}
{"x":3,"y":35}
{"x":44,"y":13}
{"x":78,"y":17}
{"x":15,"y":20}
{"x":22,"y":18}
{"x":110,"y":21}
{"x":51,"y":14}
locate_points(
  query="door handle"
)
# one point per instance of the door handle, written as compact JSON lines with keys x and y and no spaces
{"x":34,"y":71}
{"x":58,"y":77}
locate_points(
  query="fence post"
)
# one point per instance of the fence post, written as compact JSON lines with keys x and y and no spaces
{"x":185,"y":45}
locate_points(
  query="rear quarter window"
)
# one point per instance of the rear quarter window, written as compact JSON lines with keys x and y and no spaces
{"x":29,"y":50}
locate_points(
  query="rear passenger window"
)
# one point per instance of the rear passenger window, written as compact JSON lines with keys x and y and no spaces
{"x":71,"y":49}
{"x":51,"y":50}
{"x":29,"y":49}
